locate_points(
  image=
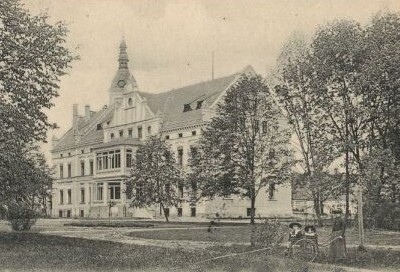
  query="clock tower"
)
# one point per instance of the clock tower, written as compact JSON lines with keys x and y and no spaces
{"x":123,"y":81}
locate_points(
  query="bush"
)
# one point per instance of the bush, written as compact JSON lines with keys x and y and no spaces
{"x":268,"y":234}
{"x":21,"y":216}
{"x":384,"y":215}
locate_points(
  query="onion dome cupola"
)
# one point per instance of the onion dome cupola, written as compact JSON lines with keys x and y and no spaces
{"x":123,"y":80}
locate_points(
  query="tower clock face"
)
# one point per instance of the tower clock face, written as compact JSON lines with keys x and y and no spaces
{"x":121,"y":83}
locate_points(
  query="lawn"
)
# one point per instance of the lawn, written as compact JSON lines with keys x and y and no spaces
{"x":37,"y":252}
{"x":242,"y":235}
{"x":372,"y":258}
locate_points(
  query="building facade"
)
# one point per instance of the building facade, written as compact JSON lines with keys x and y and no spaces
{"x":92,"y":159}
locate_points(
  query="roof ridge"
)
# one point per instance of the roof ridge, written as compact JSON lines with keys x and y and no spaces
{"x":190,"y":85}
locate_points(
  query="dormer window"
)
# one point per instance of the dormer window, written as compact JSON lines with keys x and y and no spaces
{"x":199,"y":104}
{"x":186,"y":108}
{"x":98,"y":126}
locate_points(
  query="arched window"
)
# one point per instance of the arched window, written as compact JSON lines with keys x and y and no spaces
{"x":130,"y":101}
{"x":112,"y":136}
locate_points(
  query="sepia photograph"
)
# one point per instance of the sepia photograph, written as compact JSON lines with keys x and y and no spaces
{"x":200,"y":135}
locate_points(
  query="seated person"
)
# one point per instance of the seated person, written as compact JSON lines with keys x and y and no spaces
{"x":310,"y":231}
{"x":295,"y":233}
{"x":295,"y":230}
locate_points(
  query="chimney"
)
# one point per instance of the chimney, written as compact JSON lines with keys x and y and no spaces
{"x":54,"y":141}
{"x":87,"y":112}
{"x":75,"y":116}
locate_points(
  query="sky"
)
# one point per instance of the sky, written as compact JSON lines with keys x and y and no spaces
{"x":170,"y":42}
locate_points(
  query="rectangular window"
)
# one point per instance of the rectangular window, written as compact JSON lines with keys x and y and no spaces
{"x":91,"y":167}
{"x":193,"y":151}
{"x":249,"y":211}
{"x":180,"y":156}
{"x":111,"y":159}
{"x":82,"y":195}
{"x":194,"y":132}
{"x":193,"y":212}
{"x":69,"y":170}
{"x":60,"y":213}
{"x":61,"y":196}
{"x":180,"y":135}
{"x":264,"y":127}
{"x":256,"y":126}
{"x":117,"y":159}
{"x":105,"y":160}
{"x":61,"y":171}
{"x":179,"y":212}
{"x":82,"y":168}
{"x":180,"y":189}
{"x":140,"y":132}
{"x":68,"y":213}
{"x":114,"y":189}
{"x":69,"y":196}
{"x":99,"y":191}
{"x":166,"y":137}
{"x":128,"y":158}
{"x":130,"y":133}
{"x":121,"y":133}
{"x":149,"y":130}
{"x":108,"y":160}
{"x":81,"y":213}
{"x":98,"y":127}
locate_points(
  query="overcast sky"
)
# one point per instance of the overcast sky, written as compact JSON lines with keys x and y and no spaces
{"x":170,"y":42}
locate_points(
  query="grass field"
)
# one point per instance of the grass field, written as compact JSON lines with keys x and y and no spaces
{"x":372,"y":258}
{"x":37,"y":252}
{"x":242,"y":235}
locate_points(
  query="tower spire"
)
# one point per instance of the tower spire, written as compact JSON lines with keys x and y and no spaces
{"x":123,"y":55}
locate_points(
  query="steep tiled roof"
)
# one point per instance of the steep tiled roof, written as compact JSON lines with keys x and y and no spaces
{"x":171,"y":103}
{"x":87,"y":129}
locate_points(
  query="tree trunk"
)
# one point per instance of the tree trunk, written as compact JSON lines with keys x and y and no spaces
{"x":252,"y":215}
{"x":317,"y":209}
{"x":165,"y":215}
{"x":253,"y":208}
{"x":347,"y":184}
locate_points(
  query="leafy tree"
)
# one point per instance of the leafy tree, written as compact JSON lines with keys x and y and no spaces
{"x":245,"y":147}
{"x":380,"y":91}
{"x":33,"y":57}
{"x":25,"y":186}
{"x":337,"y":59}
{"x":155,"y":176}
{"x":296,"y":95}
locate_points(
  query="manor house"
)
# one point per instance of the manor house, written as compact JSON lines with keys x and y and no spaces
{"x":93,"y":158}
